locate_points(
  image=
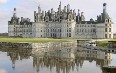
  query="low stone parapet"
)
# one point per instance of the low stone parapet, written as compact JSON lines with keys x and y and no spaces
{"x":36,"y":45}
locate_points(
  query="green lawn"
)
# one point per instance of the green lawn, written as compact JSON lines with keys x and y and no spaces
{"x":35,"y":40}
{"x":104,"y":42}
{"x":99,"y":43}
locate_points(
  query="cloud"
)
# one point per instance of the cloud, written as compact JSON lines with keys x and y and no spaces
{"x":3,"y":1}
{"x":4,"y":18}
{"x":26,"y":8}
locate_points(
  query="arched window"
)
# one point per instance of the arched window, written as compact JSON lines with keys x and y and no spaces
{"x":106,"y":20}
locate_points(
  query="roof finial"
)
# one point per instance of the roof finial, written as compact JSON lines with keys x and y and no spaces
{"x":79,"y":12}
{"x":14,"y":9}
{"x":14,"y":13}
{"x":39,"y":9}
{"x":60,"y":2}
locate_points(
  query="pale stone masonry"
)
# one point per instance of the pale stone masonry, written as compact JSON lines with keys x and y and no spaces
{"x":64,"y":23}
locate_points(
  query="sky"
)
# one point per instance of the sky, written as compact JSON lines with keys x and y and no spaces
{"x":26,"y":8}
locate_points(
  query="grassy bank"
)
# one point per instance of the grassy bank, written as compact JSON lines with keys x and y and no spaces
{"x":35,"y":40}
{"x":104,"y":42}
{"x":99,"y":42}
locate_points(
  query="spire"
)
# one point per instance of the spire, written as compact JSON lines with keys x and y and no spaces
{"x":14,"y":13}
{"x":78,"y":12}
{"x":78,"y":18}
{"x":82,"y":13}
{"x":14,"y":9}
{"x":68,"y":8}
{"x":52,"y":11}
{"x":64,"y":8}
{"x":82,"y":16}
{"x":39,"y":9}
{"x":104,"y":8}
{"x":60,"y":7}
{"x":60,"y":3}
{"x":105,"y":14}
{"x":74,"y":11}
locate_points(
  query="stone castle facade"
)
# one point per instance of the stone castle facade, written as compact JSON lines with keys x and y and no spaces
{"x":64,"y":23}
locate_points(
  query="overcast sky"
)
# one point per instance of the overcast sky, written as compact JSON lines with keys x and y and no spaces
{"x":26,"y":8}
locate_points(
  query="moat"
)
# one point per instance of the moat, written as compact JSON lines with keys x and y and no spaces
{"x":57,"y":59}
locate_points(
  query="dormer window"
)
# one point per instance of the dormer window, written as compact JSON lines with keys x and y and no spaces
{"x":106,"y":20}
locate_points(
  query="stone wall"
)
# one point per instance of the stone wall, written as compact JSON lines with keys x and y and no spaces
{"x":37,"y":45}
{"x":15,"y":45}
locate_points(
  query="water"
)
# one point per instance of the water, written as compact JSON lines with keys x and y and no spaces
{"x":65,"y":60}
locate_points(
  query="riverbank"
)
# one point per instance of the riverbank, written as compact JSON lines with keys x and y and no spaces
{"x":35,"y":40}
{"x":104,"y":42}
{"x":40,"y":46}
{"x":100,"y":42}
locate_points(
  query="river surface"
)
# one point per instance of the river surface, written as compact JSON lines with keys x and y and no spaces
{"x":65,"y":60}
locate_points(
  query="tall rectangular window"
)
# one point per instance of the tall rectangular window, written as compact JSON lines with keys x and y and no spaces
{"x":69,"y":34}
{"x":77,"y":30}
{"x":48,"y":30}
{"x":106,"y":36}
{"x":110,"y":25}
{"x":69,"y":29}
{"x":51,"y":34}
{"x":109,"y":35}
{"x":53,"y":30}
{"x":109,"y":29}
{"x":94,"y":30}
{"x":60,"y":30}
{"x":82,"y":30}
{"x":105,"y":29}
{"x":105,"y":24}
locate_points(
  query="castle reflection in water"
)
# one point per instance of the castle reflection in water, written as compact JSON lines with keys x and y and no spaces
{"x":62,"y":58}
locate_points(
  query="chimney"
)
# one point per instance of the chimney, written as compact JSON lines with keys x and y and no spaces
{"x":21,"y":19}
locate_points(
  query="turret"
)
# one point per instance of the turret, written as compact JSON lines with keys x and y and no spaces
{"x":104,"y":8}
{"x":74,"y":14}
{"x":52,"y":11}
{"x":43,"y":15}
{"x":105,"y":14}
{"x":64,"y":8}
{"x":14,"y":18}
{"x":82,"y":16}
{"x":49,"y":13}
{"x":34,"y":13}
{"x":74,"y":11}
{"x":60,"y":6}
{"x":38,"y":17}
{"x":39,"y":10}
{"x":28,"y":20}
{"x":21,"y":19}
{"x":35,"y":18}
{"x":78,"y":12}
{"x":68,"y":8}
{"x":78,"y":18}
{"x":42,"y":12}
